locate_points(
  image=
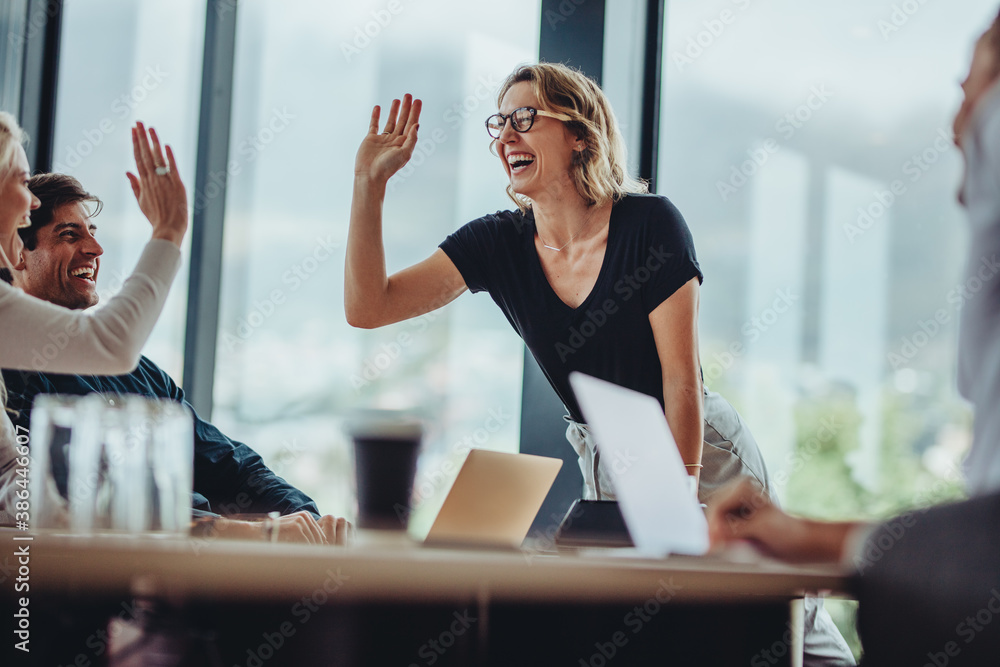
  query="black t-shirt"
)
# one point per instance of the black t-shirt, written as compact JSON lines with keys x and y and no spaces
{"x":650,"y":255}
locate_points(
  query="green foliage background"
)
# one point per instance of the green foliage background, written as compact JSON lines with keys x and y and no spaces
{"x":823,"y":486}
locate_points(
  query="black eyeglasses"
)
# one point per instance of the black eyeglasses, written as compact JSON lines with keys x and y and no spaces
{"x":520,"y":119}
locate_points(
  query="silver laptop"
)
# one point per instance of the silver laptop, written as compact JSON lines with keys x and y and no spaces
{"x":494,"y":499}
{"x":661,"y":511}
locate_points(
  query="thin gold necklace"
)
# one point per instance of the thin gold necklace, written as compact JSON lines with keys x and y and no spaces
{"x":572,"y":238}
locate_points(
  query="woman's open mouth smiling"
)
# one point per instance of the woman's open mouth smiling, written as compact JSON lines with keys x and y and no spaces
{"x":519,"y":161}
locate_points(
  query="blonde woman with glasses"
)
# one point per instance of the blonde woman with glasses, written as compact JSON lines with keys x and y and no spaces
{"x":594,"y":274}
{"x":105,"y":341}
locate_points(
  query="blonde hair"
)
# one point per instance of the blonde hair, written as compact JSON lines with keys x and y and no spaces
{"x":11,"y":136}
{"x":598,"y":171}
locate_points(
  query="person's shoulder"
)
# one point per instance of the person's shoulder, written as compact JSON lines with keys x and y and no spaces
{"x":653,"y":205}
{"x":504,"y":221}
{"x":18,"y":381}
{"x":147,"y":364}
{"x":502,"y":225}
{"x":155,"y":378}
{"x":655,"y":216}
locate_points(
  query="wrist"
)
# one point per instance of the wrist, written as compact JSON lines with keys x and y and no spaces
{"x":365,"y":183}
{"x":174,"y":236}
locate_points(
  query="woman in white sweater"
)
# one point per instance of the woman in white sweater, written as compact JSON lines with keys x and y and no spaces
{"x":36,"y":335}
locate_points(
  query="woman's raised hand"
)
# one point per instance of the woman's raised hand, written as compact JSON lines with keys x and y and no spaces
{"x":158,"y":187}
{"x":382,"y":155}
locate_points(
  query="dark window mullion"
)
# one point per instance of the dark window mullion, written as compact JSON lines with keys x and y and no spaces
{"x":40,"y":80}
{"x":204,"y":282}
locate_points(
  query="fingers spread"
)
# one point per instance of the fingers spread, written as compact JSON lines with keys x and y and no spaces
{"x":414,"y":116}
{"x":137,"y":150}
{"x":157,"y":152}
{"x":134,"y":182}
{"x":171,"y":160}
{"x":144,"y":159}
{"x":390,"y":121}
{"x":411,"y":138}
{"x":180,"y":192}
{"x":404,"y":114}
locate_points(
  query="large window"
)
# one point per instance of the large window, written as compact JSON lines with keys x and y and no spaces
{"x":13,"y":19}
{"x":289,"y":367}
{"x":809,"y":148}
{"x":124,"y":61}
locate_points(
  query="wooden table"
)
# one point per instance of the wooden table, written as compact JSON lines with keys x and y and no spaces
{"x":274,"y":604}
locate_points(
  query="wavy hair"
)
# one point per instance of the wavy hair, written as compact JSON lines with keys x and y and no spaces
{"x":11,"y":136}
{"x":599,"y":171}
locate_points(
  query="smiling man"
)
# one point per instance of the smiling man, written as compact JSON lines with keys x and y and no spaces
{"x":65,"y":271}
{"x":60,"y":263}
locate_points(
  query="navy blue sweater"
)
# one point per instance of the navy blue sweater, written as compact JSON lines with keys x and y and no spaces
{"x":229,"y":477}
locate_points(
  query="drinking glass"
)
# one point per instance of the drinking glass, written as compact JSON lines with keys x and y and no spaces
{"x":123,"y":463}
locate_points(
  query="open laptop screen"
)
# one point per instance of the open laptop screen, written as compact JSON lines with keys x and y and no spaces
{"x":494,"y":499}
{"x":651,"y":483}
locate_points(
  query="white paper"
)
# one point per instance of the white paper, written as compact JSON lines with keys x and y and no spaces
{"x":652,"y":486}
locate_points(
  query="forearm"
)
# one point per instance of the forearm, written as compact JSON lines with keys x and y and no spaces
{"x":270,"y":492}
{"x":40,"y":336}
{"x":684,"y":413}
{"x":365,"y":280}
{"x":806,"y":540}
{"x":830,"y":539}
